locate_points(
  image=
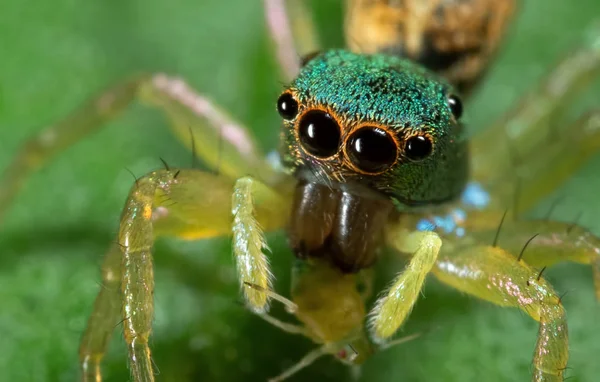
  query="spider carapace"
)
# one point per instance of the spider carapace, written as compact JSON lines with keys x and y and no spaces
{"x":366,"y":137}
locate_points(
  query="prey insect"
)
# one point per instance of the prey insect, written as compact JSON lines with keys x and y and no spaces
{"x":374,"y":152}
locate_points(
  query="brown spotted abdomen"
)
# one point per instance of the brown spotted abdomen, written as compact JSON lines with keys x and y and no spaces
{"x":454,"y":38}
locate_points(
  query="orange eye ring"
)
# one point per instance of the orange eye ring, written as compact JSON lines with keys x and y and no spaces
{"x":372,"y":149}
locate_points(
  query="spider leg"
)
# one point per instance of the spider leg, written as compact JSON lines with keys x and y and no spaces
{"x":555,"y":163}
{"x":493,"y":274}
{"x":221,"y":142}
{"x":189,"y":204}
{"x":539,"y":243}
{"x":249,"y":243}
{"x":290,"y":307}
{"x":392,"y":309}
{"x":305,"y":361}
{"x":532,"y":133}
{"x":293,"y":33}
{"x":104,"y":318}
{"x":285,"y":326}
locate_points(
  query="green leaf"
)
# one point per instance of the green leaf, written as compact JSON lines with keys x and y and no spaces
{"x":56,"y":54}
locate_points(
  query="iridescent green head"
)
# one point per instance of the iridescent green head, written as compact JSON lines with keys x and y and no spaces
{"x":375,"y":122}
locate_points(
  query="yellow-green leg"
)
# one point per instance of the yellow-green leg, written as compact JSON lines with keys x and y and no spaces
{"x":392,"y":309}
{"x":539,"y":243}
{"x":493,"y":274}
{"x":155,"y":192}
{"x":190,"y":204}
{"x":250,"y":197}
{"x":104,"y":318}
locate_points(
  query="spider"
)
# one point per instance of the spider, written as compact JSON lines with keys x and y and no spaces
{"x":489,"y":228}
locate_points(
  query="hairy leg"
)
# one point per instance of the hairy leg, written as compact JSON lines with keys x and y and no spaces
{"x":539,"y":243}
{"x":392,"y":309}
{"x":492,"y":274}
{"x":249,"y":243}
{"x":190,"y":204}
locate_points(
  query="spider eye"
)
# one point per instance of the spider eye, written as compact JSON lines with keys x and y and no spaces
{"x":372,"y":149}
{"x":287,"y":106}
{"x":319,"y":133}
{"x":418,"y":147}
{"x":455,"y":105}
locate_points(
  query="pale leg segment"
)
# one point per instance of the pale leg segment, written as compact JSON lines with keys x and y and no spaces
{"x":293,"y":33}
{"x":249,"y":243}
{"x":528,"y":144}
{"x":392,"y":309}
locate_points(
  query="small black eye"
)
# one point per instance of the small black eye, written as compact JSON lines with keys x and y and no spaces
{"x":372,"y":149}
{"x":455,"y":105}
{"x":319,"y":133}
{"x":418,"y":147}
{"x":287,"y":106}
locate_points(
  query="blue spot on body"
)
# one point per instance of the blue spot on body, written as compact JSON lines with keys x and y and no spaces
{"x":475,"y":195}
{"x":425,"y":225}
{"x":447,"y":223}
{"x":459,"y":215}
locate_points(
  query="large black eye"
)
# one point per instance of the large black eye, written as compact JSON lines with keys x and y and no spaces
{"x":455,"y":105}
{"x":418,"y":147}
{"x":372,"y":149}
{"x":319,"y":133}
{"x":287,"y":106}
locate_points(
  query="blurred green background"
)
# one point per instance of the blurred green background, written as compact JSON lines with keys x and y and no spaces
{"x":54,"y":54}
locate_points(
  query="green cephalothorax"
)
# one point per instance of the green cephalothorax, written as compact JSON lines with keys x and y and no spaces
{"x":375,"y":122}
